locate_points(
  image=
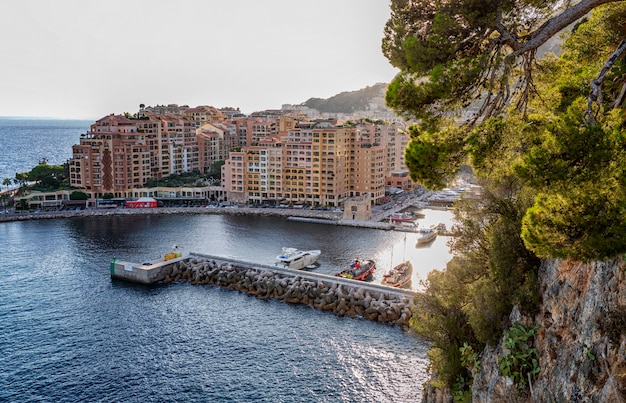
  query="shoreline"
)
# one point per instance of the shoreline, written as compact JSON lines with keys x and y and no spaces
{"x":286,"y":212}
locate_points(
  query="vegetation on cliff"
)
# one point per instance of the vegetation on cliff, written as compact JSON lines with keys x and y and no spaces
{"x":546,"y":139}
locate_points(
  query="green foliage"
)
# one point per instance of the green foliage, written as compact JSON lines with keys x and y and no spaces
{"x":586,"y":223}
{"x":441,"y":320}
{"x":434,"y":160}
{"x":469,"y":357}
{"x":467,"y":306}
{"x":21,"y":178}
{"x":503,"y":271}
{"x":588,"y":353}
{"x":569,"y":153}
{"x":48,"y":177}
{"x":552,"y":186}
{"x":452,"y":52}
{"x":462,"y":390}
{"x":77,"y":195}
{"x":216,"y":169}
{"x":183,"y":179}
{"x":22,"y":205}
{"x":520,"y":360}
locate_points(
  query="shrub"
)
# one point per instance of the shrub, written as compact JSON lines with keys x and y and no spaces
{"x":520,"y":361}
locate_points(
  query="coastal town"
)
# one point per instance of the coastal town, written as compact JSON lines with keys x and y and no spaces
{"x":276,"y":158}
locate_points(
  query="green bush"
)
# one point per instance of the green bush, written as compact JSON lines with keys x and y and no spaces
{"x":520,"y":360}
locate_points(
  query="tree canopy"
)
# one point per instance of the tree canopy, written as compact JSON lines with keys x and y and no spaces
{"x":459,"y":53}
{"x":471,"y":79}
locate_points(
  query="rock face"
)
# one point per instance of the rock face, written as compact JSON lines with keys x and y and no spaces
{"x":581,"y":341}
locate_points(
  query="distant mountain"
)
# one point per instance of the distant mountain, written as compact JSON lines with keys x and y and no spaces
{"x":368,"y":98}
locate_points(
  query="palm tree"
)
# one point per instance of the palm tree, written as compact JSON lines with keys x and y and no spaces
{"x":6,"y":182}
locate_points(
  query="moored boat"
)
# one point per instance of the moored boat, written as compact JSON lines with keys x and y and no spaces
{"x":293,"y":258}
{"x":402,"y":217}
{"x":399,"y":276}
{"x":425,"y":236}
{"x":360,"y":269}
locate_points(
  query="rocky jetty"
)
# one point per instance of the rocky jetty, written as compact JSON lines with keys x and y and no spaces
{"x":327,"y":295}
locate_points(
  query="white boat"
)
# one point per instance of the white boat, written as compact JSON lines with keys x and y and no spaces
{"x":297,"y":259}
{"x":425,"y":236}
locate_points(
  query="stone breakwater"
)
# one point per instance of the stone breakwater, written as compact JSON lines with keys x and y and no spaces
{"x":337,"y":295}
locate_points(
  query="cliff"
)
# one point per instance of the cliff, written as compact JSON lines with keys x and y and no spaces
{"x":580,"y":341}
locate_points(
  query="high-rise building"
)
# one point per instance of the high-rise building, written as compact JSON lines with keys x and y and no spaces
{"x":316,"y":163}
{"x":120,"y":153}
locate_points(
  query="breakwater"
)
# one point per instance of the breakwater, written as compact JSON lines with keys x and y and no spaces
{"x":344,"y":297}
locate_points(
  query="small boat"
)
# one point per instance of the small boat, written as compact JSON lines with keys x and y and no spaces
{"x":359,"y":270}
{"x":402,"y":217}
{"x":292,"y":258}
{"x":399,"y":276}
{"x":425,"y":236}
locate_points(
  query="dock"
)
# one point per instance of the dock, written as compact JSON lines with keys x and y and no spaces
{"x":345,"y":297}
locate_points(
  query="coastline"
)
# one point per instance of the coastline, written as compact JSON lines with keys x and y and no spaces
{"x":278,"y":212}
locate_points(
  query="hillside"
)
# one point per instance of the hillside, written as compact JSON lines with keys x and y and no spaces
{"x":364,"y":99}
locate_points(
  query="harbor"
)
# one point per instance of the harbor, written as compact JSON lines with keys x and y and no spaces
{"x":342,"y":296}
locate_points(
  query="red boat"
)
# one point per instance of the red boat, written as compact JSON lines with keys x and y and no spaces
{"x":359,"y":270}
{"x":402,"y":217}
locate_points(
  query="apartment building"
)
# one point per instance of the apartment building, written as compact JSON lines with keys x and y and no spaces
{"x":111,"y":158}
{"x":315,"y":163}
{"x":234,"y":178}
{"x":203,"y":114}
{"x":119,"y":153}
{"x":214,"y":143}
{"x":179,"y":151}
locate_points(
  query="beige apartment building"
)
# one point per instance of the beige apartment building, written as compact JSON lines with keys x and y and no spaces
{"x":215,"y":141}
{"x":315,"y":163}
{"x":119,"y":154}
{"x":203,"y":114}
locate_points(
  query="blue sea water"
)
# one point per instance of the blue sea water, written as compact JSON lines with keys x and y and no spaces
{"x":25,"y":142}
{"x":71,"y":334}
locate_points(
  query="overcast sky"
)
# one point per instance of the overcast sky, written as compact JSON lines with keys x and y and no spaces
{"x":89,"y":58}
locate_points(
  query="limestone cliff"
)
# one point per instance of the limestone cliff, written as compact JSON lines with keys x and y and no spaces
{"x":581,"y":340}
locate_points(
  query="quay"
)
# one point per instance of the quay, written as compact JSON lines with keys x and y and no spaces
{"x":344,"y":297}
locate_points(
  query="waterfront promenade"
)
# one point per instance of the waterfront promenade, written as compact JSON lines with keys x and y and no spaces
{"x":379,"y":218}
{"x":94,"y":212}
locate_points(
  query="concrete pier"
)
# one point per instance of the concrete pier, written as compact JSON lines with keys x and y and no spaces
{"x":343,"y":296}
{"x":148,"y":272}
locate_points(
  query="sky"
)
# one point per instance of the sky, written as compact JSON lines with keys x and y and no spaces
{"x":89,"y":58}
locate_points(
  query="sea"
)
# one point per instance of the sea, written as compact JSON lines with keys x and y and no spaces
{"x":72,"y":334}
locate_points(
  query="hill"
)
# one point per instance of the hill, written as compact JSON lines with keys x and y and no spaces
{"x":368,"y":98}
